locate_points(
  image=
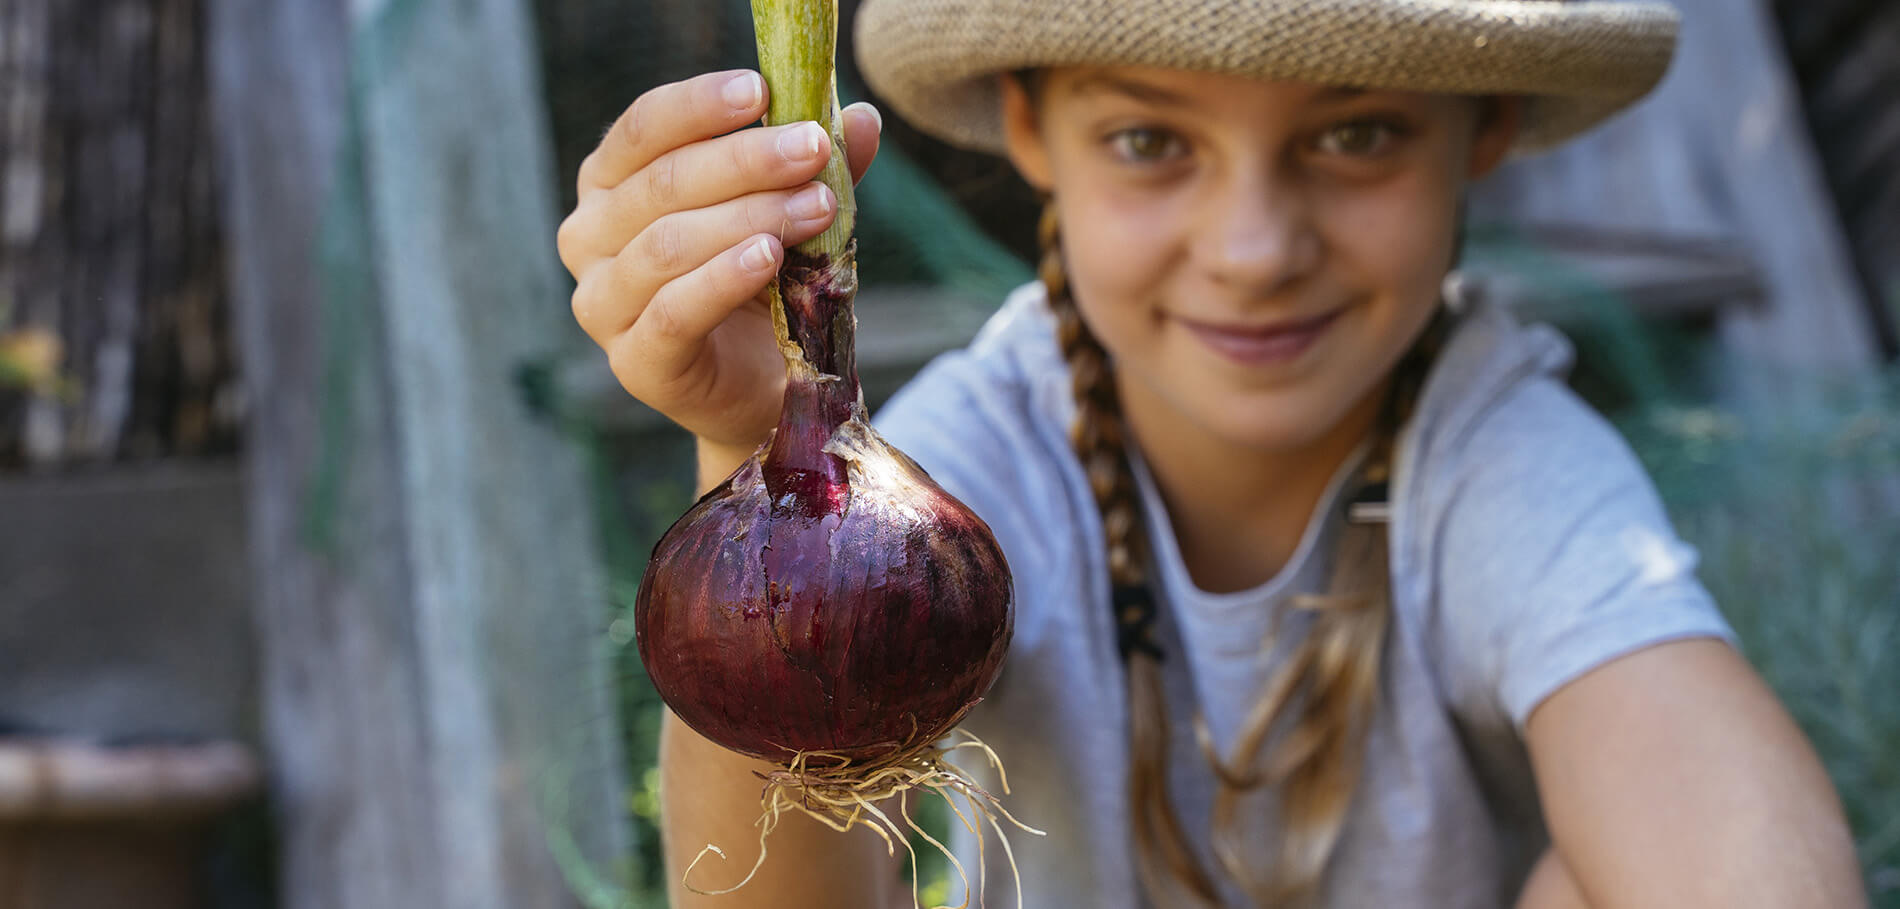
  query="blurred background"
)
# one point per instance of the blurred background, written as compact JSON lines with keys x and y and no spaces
{"x":320,"y":520}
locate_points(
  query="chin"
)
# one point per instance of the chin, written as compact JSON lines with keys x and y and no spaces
{"x":1274,"y":425}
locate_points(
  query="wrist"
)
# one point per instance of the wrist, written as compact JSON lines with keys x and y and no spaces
{"x":717,"y":460}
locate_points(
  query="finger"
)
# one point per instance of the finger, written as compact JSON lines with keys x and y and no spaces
{"x":699,"y":175}
{"x":863,"y":131}
{"x":614,"y":294}
{"x":672,"y":331}
{"x":670,"y":116}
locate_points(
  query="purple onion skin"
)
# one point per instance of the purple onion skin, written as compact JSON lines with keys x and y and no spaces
{"x":828,"y":596}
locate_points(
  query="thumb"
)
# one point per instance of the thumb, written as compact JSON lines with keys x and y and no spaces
{"x":863,"y":130}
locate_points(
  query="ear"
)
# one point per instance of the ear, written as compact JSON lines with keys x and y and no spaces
{"x":1499,"y":119}
{"x":1022,"y":134}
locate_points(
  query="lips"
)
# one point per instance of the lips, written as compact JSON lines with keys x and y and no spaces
{"x":1251,"y":345}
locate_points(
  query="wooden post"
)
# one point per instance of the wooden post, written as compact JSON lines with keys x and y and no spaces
{"x":429,"y":592}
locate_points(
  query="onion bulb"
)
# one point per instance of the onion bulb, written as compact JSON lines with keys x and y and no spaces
{"x":828,"y":597}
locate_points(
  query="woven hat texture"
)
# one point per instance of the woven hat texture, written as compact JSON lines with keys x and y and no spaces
{"x":1576,"y":61}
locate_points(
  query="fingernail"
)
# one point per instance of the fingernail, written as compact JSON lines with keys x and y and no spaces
{"x":810,"y":204}
{"x":803,"y":142}
{"x":745,"y":91}
{"x":758,"y":256}
{"x":874,"y":112}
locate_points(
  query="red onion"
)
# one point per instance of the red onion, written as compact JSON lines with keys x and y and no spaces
{"x":828,"y":599}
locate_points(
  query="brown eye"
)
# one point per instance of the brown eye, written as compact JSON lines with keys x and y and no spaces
{"x":1144,"y":145}
{"x":1359,"y":138}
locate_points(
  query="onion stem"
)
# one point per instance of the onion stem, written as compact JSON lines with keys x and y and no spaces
{"x":812,"y":298}
{"x":798,"y":45}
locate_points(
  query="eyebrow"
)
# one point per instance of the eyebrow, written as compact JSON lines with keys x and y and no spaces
{"x":1340,"y":93}
{"x":1140,"y":91}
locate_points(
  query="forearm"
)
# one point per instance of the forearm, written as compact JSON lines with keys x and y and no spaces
{"x":717,"y":462}
{"x":1552,"y":885}
{"x":1758,"y":860}
{"x":710,"y":796}
{"x":1672,"y":777}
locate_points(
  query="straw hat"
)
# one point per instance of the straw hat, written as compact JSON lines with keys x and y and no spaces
{"x":1578,"y":61}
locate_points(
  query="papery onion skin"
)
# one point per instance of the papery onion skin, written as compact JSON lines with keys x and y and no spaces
{"x":859,"y":620}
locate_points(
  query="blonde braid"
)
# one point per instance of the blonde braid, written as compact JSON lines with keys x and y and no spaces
{"x":1319,"y":701}
{"x":1099,"y":442}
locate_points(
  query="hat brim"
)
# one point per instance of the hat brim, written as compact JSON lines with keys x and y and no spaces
{"x":935,"y":62}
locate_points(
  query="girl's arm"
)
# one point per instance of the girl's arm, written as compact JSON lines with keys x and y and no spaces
{"x":710,"y":795}
{"x":1673,"y":777}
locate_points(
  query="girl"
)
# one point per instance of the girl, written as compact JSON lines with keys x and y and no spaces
{"x":1329,"y":591}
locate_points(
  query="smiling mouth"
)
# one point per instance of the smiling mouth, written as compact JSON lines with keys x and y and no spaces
{"x":1260,"y":345}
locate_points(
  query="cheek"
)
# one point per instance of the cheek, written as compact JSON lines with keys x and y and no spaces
{"x":1396,"y":244}
{"x":1118,"y":250}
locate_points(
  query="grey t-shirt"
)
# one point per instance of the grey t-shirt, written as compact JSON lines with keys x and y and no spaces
{"x":1527,"y":547}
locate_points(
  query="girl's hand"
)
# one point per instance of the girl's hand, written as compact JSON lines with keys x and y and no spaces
{"x":682,"y":224}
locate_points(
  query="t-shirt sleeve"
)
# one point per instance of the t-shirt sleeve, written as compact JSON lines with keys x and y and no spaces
{"x":939,"y":418}
{"x":1554,"y":556}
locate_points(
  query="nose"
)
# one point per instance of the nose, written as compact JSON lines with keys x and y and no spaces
{"x":1257,"y":236}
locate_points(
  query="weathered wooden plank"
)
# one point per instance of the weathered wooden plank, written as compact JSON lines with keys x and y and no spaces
{"x":109,"y":237}
{"x":339,"y":703}
{"x":1661,"y":276}
{"x":116,"y":626}
{"x":90,"y":827}
{"x":429,"y":595}
{"x":460,"y":198}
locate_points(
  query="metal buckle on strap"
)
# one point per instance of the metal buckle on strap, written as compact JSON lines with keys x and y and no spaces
{"x":1371,"y":506}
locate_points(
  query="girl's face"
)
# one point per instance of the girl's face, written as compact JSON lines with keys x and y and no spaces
{"x":1256,"y":256}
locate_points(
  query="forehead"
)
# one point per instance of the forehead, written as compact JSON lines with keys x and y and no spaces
{"x":1190,"y":90}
